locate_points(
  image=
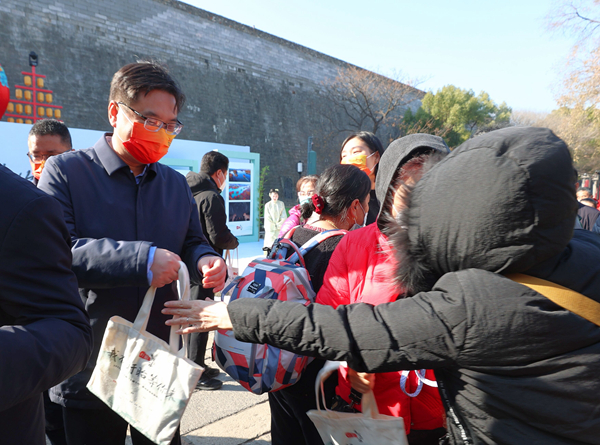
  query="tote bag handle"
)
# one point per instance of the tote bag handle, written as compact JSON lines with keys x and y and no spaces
{"x":368,"y":403}
{"x":141,"y":320}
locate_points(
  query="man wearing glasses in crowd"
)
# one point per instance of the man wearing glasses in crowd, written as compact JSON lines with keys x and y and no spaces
{"x":131,"y":219}
{"x":47,"y":137}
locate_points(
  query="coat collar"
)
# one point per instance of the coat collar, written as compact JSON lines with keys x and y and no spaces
{"x":111,"y":161}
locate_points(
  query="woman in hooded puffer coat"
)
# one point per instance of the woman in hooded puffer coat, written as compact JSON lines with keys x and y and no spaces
{"x":512,"y":366}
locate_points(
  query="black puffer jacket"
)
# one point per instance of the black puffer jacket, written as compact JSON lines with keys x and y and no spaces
{"x":513,"y":367}
{"x":211,"y":208}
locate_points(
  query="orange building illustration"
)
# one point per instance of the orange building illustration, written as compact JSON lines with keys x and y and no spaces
{"x":31,"y":101}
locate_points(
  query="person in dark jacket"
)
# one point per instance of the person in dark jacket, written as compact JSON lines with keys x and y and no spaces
{"x":49,"y":137}
{"x":512,"y":366}
{"x":588,"y":216}
{"x":364,"y":150}
{"x":131,"y":220}
{"x":45,"y":333}
{"x":206,"y":188}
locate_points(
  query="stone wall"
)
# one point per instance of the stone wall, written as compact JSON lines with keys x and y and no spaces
{"x":243,"y":86}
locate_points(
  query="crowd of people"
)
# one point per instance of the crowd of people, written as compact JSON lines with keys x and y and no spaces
{"x":415,"y":288}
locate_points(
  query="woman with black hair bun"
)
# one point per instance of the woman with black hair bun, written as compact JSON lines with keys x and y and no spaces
{"x":364,"y":150}
{"x":341,"y":201}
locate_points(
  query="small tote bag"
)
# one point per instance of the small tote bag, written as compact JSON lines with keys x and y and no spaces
{"x":144,"y":379}
{"x":368,"y":427}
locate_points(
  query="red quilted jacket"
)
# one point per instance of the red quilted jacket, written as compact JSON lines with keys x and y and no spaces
{"x":361,"y":269}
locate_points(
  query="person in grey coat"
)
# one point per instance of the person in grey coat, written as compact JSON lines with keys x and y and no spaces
{"x":512,"y":366}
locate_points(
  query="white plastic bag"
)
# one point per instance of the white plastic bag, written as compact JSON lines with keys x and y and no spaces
{"x":144,"y":379}
{"x":368,"y":427}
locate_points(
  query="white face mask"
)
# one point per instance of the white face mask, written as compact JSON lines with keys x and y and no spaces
{"x":358,"y":226}
{"x":222,"y":186}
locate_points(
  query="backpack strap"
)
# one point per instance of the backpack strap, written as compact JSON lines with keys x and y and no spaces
{"x":573,"y":301}
{"x":279,"y":250}
{"x":315,"y":241}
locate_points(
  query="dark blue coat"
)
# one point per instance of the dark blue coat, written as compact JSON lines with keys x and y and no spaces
{"x":113,"y":223}
{"x":45,"y":335}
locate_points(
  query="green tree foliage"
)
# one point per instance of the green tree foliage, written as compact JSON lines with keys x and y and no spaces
{"x":458,"y":113}
{"x":264,"y":172}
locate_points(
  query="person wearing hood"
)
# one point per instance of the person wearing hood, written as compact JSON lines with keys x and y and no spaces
{"x":512,"y":366}
{"x":364,"y":150}
{"x":206,"y":188}
{"x":362,"y":270}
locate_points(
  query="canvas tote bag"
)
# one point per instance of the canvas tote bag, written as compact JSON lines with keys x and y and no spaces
{"x":368,"y":427}
{"x":144,"y":379}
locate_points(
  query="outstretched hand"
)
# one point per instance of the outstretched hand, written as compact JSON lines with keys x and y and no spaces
{"x":197,"y":315}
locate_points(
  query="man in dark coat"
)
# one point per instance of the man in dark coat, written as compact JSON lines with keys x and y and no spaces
{"x":512,"y":366}
{"x":131,"y":220}
{"x":47,"y":137}
{"x":45,"y":333}
{"x":588,"y":216}
{"x":206,"y":188}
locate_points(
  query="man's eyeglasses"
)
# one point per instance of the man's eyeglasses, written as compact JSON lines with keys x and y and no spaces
{"x":153,"y":125}
{"x":38,"y":158}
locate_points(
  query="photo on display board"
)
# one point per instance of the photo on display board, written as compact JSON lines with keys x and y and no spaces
{"x":239,"y":211}
{"x":239,"y":175}
{"x":239,"y":192}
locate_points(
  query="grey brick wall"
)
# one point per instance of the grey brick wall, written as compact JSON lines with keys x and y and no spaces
{"x":243,"y":86}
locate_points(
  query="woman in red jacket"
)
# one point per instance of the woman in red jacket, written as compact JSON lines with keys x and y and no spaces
{"x":362,"y":270}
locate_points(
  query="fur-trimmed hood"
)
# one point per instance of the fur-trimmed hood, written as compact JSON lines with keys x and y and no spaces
{"x":501,"y":202}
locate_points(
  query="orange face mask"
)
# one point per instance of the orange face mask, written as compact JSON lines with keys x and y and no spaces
{"x":360,"y":161}
{"x":37,"y":171}
{"x":145,"y":146}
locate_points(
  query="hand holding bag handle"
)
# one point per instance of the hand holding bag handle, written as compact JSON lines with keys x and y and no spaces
{"x":141,"y":320}
{"x":353,"y":428}
{"x":368,"y":402}
{"x":154,"y":397}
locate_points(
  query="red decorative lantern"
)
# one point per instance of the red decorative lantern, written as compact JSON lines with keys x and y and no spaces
{"x":4,"y":92}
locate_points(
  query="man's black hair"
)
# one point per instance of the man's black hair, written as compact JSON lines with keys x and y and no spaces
{"x":214,"y":161}
{"x":52,"y":127}
{"x":141,"y":78}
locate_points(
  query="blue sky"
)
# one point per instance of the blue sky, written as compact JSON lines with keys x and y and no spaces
{"x":499,"y":47}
